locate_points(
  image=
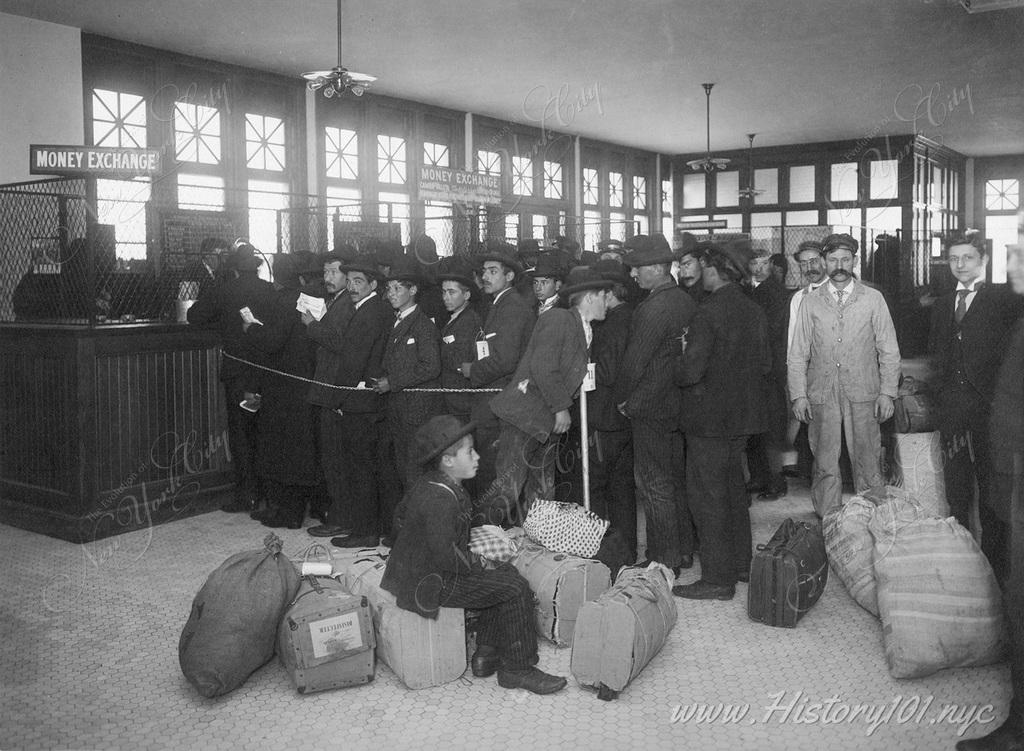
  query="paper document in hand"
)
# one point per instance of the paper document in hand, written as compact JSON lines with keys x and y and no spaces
{"x":248,"y":317}
{"x":315,"y":306}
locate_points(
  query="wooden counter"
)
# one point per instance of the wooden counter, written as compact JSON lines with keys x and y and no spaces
{"x":109,"y":429}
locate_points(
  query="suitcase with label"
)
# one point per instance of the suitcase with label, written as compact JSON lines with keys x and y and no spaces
{"x":788,"y":575}
{"x":622,"y":630}
{"x":561,"y":583}
{"x":326,"y":637}
{"x":422,"y":652}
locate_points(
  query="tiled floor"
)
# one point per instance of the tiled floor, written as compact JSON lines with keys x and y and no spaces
{"x":88,"y":659}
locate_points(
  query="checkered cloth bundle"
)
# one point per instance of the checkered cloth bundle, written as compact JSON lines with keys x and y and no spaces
{"x":491,"y":542}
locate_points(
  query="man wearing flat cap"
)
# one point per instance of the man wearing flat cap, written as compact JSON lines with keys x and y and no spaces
{"x":647,"y":395}
{"x":844,"y":365}
{"x":723,"y":368}
{"x":610,"y":250}
{"x":534,"y":406}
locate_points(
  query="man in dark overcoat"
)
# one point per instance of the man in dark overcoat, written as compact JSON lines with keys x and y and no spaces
{"x":459,"y":335}
{"x":723,"y":368}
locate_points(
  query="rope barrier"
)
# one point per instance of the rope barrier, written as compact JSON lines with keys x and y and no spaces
{"x":438,"y":390}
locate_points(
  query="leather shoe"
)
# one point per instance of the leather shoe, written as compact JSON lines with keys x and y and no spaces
{"x":326,"y":530}
{"x":486,"y":661}
{"x":356,"y":541}
{"x":1006,"y":737}
{"x":703,"y":590}
{"x":686,"y":561}
{"x":776,"y":489}
{"x":532,"y":679}
{"x":743,"y":576}
{"x":757,"y":486}
{"x":280,"y":521}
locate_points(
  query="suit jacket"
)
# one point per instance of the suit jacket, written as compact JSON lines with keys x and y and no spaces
{"x":611,"y":338}
{"x":852,"y":348}
{"x":412,"y":357}
{"x":506,"y":331}
{"x":329,"y":333}
{"x":548,"y":376}
{"x":220,"y":307}
{"x":458,"y":345}
{"x":645,"y":381}
{"x":432,"y":543}
{"x":725,"y":367}
{"x":362,"y":348}
{"x":983,"y":335}
{"x":774,"y":301}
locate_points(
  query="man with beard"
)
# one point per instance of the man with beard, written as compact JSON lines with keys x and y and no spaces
{"x":843,"y":369}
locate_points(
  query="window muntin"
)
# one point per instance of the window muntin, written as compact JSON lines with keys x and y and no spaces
{"x":591,"y":187}
{"x":264,"y":142}
{"x":639,"y":192}
{"x":342,"y":153}
{"x":522,"y":176}
{"x":1002,"y":195}
{"x":436,"y":154}
{"x":615,"y":190}
{"x":391,"y":160}
{"x":197,"y":133}
{"x":553,"y":180}
{"x":489,"y":163}
{"x":118,"y":119}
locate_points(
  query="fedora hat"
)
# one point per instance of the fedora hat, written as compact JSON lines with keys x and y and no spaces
{"x":406,"y":270}
{"x":642,"y":250}
{"x":500,"y":257}
{"x":456,"y":269}
{"x":612,"y":270}
{"x":548,"y":266}
{"x":363,"y":265}
{"x":437,"y":434}
{"x":581,"y":279}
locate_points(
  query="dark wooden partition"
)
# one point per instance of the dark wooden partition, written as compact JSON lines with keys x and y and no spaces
{"x":109,"y":429}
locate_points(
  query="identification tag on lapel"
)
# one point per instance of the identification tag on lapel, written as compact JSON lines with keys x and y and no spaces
{"x":482,"y":350}
{"x":590,"y":379}
{"x":449,"y":339}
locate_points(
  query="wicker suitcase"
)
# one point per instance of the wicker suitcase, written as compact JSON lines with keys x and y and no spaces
{"x":561,"y":583}
{"x":421,"y":651}
{"x":788,"y":575}
{"x":622,"y":630}
{"x":326,"y":637}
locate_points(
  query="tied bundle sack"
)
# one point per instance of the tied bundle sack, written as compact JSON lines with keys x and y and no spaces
{"x":918,"y":470}
{"x":939,"y":602}
{"x":851,"y":546}
{"x":621,"y":631}
{"x":233,"y":624}
{"x":565,"y":527}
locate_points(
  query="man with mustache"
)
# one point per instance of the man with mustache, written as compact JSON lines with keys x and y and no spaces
{"x":843,"y":367}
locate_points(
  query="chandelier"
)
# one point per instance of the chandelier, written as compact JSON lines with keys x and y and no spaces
{"x":749,"y":192}
{"x":338,"y":79}
{"x":708,"y":163}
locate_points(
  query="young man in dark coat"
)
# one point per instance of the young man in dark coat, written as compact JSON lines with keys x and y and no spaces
{"x":431,"y":567}
{"x":412,"y":359}
{"x":459,"y":335}
{"x":969,"y":333}
{"x":534,"y":407}
{"x":722,"y":366}
{"x":222,"y":307}
{"x":646,"y":394}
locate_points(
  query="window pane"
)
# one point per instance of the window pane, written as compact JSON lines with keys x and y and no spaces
{"x":668,"y":228}
{"x":122,"y":203}
{"x":591,"y":187}
{"x":639,"y":193}
{"x":203,"y":192}
{"x":801,"y":218}
{"x":1002,"y":195}
{"x":727,"y":188}
{"x":848,"y":219}
{"x":391,"y":160}
{"x":488,"y":162}
{"x":1002,"y":231}
{"x":694,"y":191}
{"x":540,"y":226}
{"x":767,"y":180}
{"x":438,"y":225}
{"x":615,"y":189}
{"x":766,"y":219}
{"x":591,"y":229}
{"x":264,"y":142}
{"x":512,"y":227}
{"x":617,"y":228}
{"x":342,"y":153}
{"x":196,"y":133}
{"x":884,"y":176}
{"x":435,"y":154}
{"x":641,"y":225}
{"x":522,"y":176}
{"x":801,"y":184}
{"x":844,"y":182}
{"x":735,"y":220}
{"x":118,"y":119}
{"x":344,"y":203}
{"x":265,"y":200}
{"x":887,"y":219}
{"x":552,"y":180}
{"x":395,"y":205}
{"x":666,"y":198}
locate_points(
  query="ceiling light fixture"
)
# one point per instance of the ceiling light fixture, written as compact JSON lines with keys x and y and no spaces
{"x":708,"y":163}
{"x":985,"y":6}
{"x":749,"y":192}
{"x":338,"y":79}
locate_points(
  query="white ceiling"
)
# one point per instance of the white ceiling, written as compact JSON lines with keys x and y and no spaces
{"x":792,"y":71}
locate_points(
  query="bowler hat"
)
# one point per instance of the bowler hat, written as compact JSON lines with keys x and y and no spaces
{"x":363,"y":265}
{"x":641,"y":250}
{"x":687,"y":242}
{"x":547,"y":266}
{"x":500,"y":257}
{"x":581,"y":279}
{"x":437,"y":434}
{"x":246,"y":258}
{"x":612,"y":270}
{"x":456,"y":269}
{"x":736,"y":252}
{"x":423,"y":249}
{"x":835,"y":242}
{"x":406,"y":270}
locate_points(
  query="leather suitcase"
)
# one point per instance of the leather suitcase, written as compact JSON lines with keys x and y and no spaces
{"x":561,"y":583}
{"x":422,"y":652}
{"x":326,"y":637}
{"x":788,"y":575}
{"x":622,"y":630}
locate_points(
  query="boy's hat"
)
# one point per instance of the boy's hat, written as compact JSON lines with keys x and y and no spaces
{"x":437,"y":434}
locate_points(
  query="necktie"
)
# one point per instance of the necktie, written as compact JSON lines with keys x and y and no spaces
{"x":961,"y":304}
{"x":839,"y":296}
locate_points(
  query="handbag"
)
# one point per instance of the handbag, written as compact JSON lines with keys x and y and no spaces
{"x":565,"y":527}
{"x":316,"y":560}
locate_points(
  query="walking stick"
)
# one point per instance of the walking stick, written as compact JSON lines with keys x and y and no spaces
{"x":585,"y":448}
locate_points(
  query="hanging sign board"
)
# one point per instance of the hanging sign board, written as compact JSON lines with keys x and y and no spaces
{"x":93,"y":161}
{"x":712,"y":224}
{"x":456,"y":185}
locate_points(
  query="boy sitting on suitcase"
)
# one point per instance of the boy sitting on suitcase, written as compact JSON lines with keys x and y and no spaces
{"x":431,"y":567}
